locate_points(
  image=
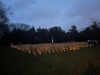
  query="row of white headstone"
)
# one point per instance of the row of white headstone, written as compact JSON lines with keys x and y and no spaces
{"x":49,"y":48}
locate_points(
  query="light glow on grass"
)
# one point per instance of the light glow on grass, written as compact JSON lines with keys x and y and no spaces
{"x":34,"y":54}
{"x":42,"y":48}
{"x":40,"y":53}
{"x":29,"y":52}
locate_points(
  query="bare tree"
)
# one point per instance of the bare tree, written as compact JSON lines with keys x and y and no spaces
{"x":4,"y":11}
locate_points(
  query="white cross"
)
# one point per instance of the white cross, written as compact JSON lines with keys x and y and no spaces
{"x":52,"y":39}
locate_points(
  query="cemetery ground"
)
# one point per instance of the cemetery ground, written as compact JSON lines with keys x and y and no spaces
{"x":85,"y":61}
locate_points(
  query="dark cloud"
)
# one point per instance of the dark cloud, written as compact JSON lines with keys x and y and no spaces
{"x":22,"y":5}
{"x":48,"y":13}
{"x":81,"y":11}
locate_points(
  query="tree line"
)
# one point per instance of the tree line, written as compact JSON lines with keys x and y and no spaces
{"x":23,"y":33}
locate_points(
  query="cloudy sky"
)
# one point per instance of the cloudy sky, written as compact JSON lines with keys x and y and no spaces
{"x":49,"y":13}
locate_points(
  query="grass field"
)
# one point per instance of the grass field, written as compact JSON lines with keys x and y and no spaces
{"x":85,"y":61}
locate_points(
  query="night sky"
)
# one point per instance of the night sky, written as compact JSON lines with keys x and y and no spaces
{"x":49,"y":13}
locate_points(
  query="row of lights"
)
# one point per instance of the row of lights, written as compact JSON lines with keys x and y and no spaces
{"x":47,"y":50}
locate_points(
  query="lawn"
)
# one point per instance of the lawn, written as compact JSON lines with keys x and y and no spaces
{"x":85,"y":61}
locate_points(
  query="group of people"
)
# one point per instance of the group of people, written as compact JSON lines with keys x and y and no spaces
{"x":92,"y":42}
